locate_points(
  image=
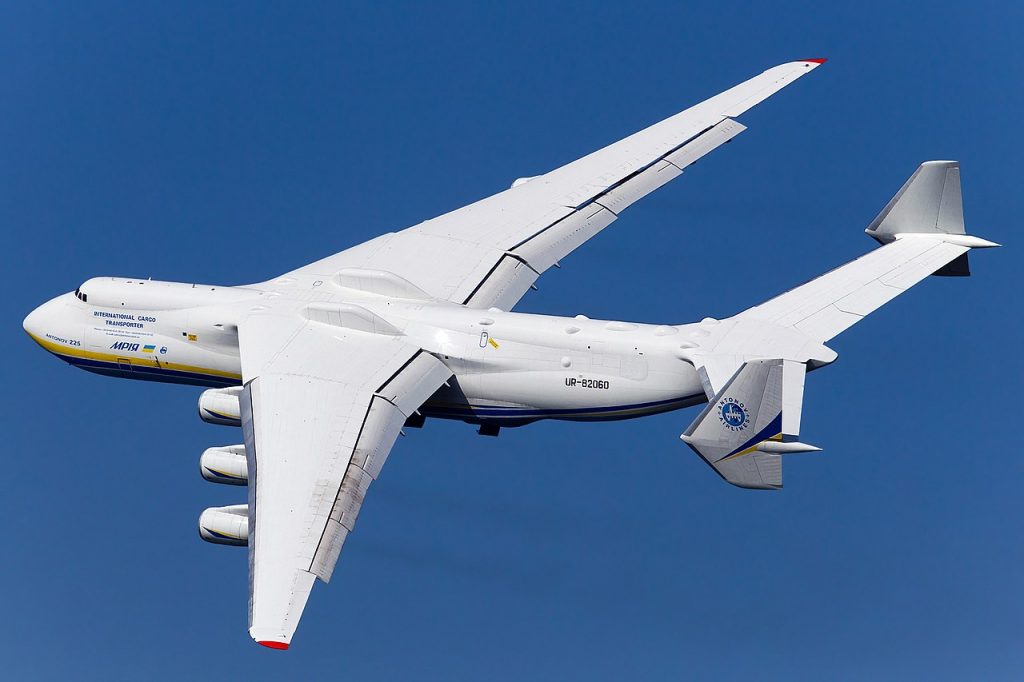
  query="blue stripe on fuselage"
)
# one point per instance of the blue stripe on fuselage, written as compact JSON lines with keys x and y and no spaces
{"x":480,"y":412}
{"x":147,"y":373}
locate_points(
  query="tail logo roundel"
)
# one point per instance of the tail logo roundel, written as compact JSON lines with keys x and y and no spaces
{"x":733,"y":414}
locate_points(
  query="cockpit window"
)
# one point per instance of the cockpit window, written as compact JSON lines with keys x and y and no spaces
{"x":84,"y":298}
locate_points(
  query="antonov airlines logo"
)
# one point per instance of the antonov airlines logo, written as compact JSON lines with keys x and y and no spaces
{"x":733,"y":414}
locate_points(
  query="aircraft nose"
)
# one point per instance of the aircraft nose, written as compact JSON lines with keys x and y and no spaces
{"x":32,"y":323}
{"x":37,"y":322}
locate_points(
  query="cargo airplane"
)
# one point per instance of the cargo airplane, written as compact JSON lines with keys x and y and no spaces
{"x":323,"y":366}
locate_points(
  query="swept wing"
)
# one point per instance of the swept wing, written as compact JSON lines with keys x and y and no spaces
{"x":321,"y":408}
{"x":489,"y":253}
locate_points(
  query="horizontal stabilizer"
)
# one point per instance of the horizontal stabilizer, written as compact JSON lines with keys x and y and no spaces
{"x":751,"y":423}
{"x":922,"y":232}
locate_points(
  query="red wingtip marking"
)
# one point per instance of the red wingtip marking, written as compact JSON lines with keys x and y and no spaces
{"x":817,"y":61}
{"x":274,"y":645}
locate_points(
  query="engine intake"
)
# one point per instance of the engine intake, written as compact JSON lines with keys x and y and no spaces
{"x":220,"y":406}
{"x":225,"y":464}
{"x":225,"y":525}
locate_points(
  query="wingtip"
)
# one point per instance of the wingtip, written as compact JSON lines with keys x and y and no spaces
{"x":270,"y":644}
{"x":820,"y":60}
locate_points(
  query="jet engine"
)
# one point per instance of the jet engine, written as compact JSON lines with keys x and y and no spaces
{"x":225,"y":464}
{"x":220,"y":406}
{"x":225,"y":525}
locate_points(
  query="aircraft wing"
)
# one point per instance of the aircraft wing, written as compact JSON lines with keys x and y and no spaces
{"x":321,"y":408}
{"x":490,"y":253}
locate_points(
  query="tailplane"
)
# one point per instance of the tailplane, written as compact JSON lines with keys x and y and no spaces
{"x":922,"y":233}
{"x":753,"y":417}
{"x":751,"y":423}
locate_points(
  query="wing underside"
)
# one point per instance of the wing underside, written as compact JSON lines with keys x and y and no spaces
{"x":319,"y":418}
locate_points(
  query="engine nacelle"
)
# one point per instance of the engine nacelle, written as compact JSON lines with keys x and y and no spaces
{"x":225,"y":525}
{"x":225,"y":464}
{"x":220,"y":406}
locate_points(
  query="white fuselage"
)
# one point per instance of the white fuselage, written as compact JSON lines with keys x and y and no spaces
{"x":509,"y":368}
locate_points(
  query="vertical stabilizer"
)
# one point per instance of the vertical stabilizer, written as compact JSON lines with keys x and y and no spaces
{"x":929,"y":202}
{"x":751,"y":423}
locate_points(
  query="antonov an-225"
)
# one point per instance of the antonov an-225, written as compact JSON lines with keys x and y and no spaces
{"x":323,"y":366}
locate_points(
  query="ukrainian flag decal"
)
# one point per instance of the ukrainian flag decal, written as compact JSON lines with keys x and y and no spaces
{"x":148,"y":349}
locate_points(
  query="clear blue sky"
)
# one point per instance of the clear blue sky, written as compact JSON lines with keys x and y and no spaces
{"x":226,"y":143}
